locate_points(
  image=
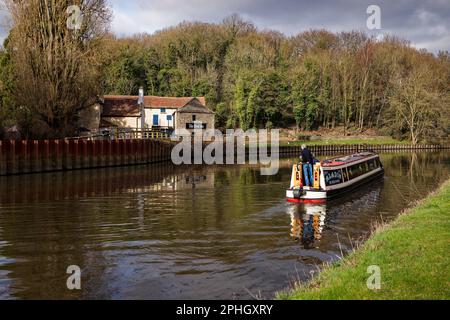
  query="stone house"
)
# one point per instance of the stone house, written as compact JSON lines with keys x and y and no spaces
{"x":158,"y":113}
{"x":193,"y":115}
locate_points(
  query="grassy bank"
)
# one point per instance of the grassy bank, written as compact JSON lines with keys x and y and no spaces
{"x":345,"y":141}
{"x":412,"y":253}
{"x":336,"y":136}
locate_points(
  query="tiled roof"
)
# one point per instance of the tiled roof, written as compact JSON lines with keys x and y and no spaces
{"x":127,"y":106}
{"x":120,"y":106}
{"x":169,"y":102}
{"x":194,"y":106}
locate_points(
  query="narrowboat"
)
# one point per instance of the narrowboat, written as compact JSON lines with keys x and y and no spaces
{"x":334,"y":177}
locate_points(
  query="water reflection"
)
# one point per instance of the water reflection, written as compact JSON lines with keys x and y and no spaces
{"x":203,"y":232}
{"x":307,"y":222}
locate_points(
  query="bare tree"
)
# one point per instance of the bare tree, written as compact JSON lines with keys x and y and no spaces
{"x":56,"y":56}
{"x":416,"y":100}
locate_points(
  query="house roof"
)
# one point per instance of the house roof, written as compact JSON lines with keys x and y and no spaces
{"x":127,"y":106}
{"x":169,"y":102}
{"x":194,"y":106}
{"x":120,"y":106}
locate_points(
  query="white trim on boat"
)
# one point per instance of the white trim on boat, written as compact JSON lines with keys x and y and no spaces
{"x":309,"y":195}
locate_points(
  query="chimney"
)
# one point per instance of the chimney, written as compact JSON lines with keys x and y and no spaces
{"x":142,"y":107}
{"x":141,"y":96}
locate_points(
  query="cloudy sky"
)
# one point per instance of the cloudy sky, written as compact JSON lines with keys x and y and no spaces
{"x":426,"y":23}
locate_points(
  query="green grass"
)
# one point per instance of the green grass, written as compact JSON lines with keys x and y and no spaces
{"x":413,"y":253}
{"x":344,"y":141}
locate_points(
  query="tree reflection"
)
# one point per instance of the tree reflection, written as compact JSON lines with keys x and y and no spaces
{"x":162,"y":227}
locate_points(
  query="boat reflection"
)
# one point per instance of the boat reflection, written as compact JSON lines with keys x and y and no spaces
{"x":308,"y":219}
{"x":307,"y":222}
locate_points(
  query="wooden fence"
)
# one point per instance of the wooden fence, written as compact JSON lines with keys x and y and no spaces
{"x":345,"y":149}
{"x":29,"y":156}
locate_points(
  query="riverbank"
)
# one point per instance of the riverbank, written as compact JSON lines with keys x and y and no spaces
{"x":349,"y":141}
{"x":412,"y":253}
{"x":336,"y":136}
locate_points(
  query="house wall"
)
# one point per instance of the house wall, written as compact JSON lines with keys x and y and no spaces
{"x":162,"y":117}
{"x":182,"y":118}
{"x":125,"y":122}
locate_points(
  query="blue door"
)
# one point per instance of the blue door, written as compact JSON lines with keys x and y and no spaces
{"x":155,"y":120}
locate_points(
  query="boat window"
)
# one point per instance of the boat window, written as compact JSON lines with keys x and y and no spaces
{"x":360,"y":169}
{"x":351,"y":173}
{"x":366,"y":167}
{"x":355,"y":171}
{"x":345,"y":174}
{"x":372,"y":164}
{"x":377,"y":163}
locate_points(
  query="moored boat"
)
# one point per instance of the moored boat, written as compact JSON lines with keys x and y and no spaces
{"x":334,"y":177}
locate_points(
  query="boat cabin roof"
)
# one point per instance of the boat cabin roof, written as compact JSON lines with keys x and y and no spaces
{"x":340,"y":161}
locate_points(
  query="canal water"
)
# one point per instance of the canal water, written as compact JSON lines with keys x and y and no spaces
{"x":200,"y":232}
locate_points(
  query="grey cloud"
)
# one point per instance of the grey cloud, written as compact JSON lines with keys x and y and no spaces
{"x":426,"y":23}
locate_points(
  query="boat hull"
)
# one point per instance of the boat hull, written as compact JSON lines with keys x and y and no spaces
{"x":297,"y":195}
